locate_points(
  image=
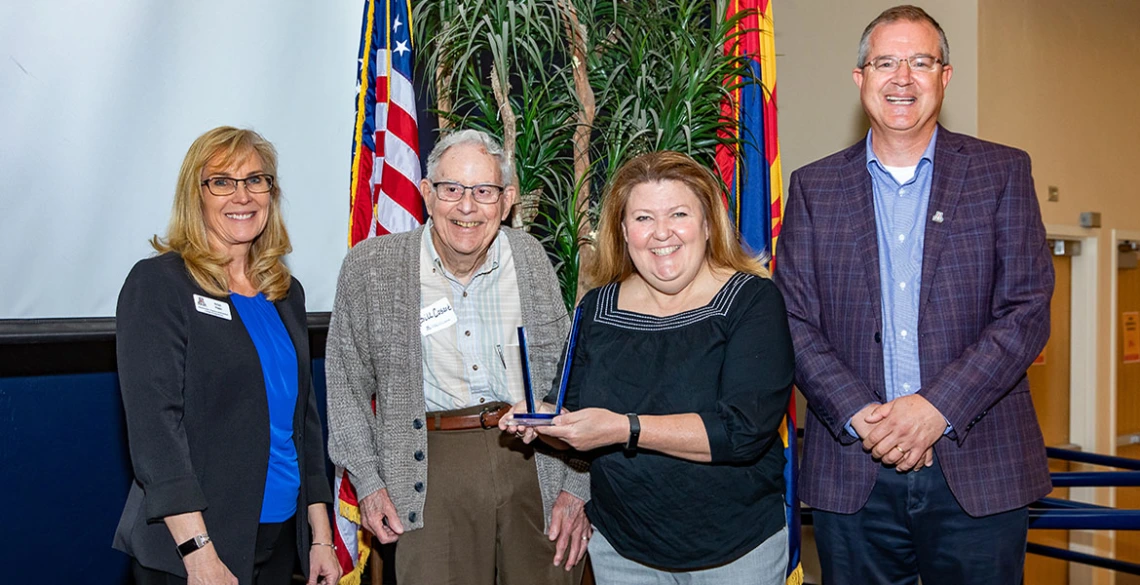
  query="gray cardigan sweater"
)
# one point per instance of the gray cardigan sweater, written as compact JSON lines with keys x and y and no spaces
{"x":374,"y":348}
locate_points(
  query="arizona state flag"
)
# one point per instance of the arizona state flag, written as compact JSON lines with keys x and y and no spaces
{"x":755,"y":196}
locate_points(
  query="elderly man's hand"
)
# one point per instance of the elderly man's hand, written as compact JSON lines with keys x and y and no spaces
{"x":377,"y":507}
{"x":905,"y":430}
{"x":570,"y":530}
{"x":524,"y":432}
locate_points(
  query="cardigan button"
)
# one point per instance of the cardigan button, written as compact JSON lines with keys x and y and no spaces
{"x":412,"y":517}
{"x":419,"y":455}
{"x":417,"y":424}
{"x":419,"y":486}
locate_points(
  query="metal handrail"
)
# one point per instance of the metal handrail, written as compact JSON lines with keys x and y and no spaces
{"x":1092,"y":458}
{"x":1084,"y":519}
{"x":1096,"y":478}
{"x":1054,"y":513}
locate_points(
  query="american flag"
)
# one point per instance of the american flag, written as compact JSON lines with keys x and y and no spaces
{"x":756,"y":195}
{"x":385,"y":149}
{"x":385,"y":195}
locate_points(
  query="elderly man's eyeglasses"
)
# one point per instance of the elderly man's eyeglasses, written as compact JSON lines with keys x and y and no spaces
{"x":223,"y":186}
{"x":451,"y":191}
{"x":918,"y":63}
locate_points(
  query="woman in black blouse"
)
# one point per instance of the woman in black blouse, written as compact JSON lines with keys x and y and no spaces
{"x":681,"y":375}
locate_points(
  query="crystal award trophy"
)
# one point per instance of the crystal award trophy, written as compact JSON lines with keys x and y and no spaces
{"x":533,"y":418}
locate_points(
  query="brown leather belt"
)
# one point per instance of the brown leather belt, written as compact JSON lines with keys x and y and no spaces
{"x":476,"y":417}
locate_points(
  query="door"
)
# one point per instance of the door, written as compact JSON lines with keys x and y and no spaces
{"x":1127,"y":398}
{"x":1049,"y":386}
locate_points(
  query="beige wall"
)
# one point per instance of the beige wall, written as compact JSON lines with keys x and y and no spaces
{"x":1060,"y":79}
{"x":817,"y":43}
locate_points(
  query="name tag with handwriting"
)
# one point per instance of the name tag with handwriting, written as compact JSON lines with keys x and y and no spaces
{"x":436,"y":317}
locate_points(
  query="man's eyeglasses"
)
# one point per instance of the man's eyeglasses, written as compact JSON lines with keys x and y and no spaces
{"x":451,"y":191}
{"x":223,"y":186}
{"x":917,"y":63}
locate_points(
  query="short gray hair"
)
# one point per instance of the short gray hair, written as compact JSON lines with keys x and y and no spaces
{"x":490,"y":145}
{"x":907,"y":13}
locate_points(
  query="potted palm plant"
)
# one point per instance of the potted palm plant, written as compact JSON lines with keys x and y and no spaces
{"x":574,"y":88}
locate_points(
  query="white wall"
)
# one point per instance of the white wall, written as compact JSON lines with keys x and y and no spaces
{"x":99,"y":102}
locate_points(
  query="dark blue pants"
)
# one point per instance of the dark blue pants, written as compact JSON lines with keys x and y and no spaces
{"x":913,"y":526}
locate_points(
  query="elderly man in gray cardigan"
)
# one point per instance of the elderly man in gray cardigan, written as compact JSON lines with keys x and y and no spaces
{"x":422,"y":361}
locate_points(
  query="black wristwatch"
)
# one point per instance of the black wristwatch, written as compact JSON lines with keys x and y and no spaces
{"x":634,"y":434}
{"x":196,"y":543}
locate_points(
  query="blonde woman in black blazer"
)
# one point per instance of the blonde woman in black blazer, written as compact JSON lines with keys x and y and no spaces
{"x":211,"y":417}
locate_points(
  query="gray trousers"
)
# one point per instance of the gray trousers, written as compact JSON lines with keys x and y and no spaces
{"x":763,"y":565}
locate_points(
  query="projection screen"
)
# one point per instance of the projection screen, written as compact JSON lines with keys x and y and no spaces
{"x":99,"y":102}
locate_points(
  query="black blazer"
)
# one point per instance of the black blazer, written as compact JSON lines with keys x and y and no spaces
{"x":198,"y":419}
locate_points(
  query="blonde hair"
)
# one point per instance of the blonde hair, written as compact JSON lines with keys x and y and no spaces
{"x":186,"y":233}
{"x":613,"y":263}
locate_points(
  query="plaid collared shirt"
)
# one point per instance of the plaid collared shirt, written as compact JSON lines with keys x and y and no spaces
{"x":477,"y":359}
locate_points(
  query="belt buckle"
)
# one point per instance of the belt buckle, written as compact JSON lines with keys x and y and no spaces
{"x":483,"y":416}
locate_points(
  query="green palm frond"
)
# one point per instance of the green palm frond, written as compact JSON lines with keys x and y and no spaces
{"x":658,"y":75}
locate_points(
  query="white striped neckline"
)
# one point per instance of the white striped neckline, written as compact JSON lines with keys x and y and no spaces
{"x":608,"y":312}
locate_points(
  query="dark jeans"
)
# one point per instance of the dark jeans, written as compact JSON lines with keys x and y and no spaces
{"x":274,"y":557}
{"x":913,"y":526}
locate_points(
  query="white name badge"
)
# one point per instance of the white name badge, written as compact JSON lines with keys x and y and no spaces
{"x":212,"y":307}
{"x":437,"y":316}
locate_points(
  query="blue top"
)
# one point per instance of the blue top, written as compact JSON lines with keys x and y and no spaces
{"x":279,"y":366}
{"x":901,"y":216}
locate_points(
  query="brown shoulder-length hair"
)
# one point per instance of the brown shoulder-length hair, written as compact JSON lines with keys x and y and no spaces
{"x":186,"y":233}
{"x":613,"y":264}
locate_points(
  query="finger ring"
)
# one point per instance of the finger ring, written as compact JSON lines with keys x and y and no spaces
{"x":900,"y":449}
{"x":584,"y":537}
{"x":518,"y":433}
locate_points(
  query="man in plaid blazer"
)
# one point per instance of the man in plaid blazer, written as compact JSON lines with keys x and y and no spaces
{"x":917,"y":280}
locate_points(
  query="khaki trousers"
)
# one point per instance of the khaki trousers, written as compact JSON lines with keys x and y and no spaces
{"x":483,"y":517}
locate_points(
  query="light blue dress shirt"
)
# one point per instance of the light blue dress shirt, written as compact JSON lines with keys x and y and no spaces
{"x":900,"y":230}
{"x":900,"y":220}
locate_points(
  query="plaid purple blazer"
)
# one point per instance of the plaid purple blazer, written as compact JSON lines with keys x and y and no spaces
{"x":987,"y":278}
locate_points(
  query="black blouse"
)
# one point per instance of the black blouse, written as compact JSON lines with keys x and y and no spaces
{"x":730,"y":362}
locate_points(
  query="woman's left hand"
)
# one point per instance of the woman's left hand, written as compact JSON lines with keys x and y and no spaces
{"x":324,"y":569}
{"x":588,"y":428}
